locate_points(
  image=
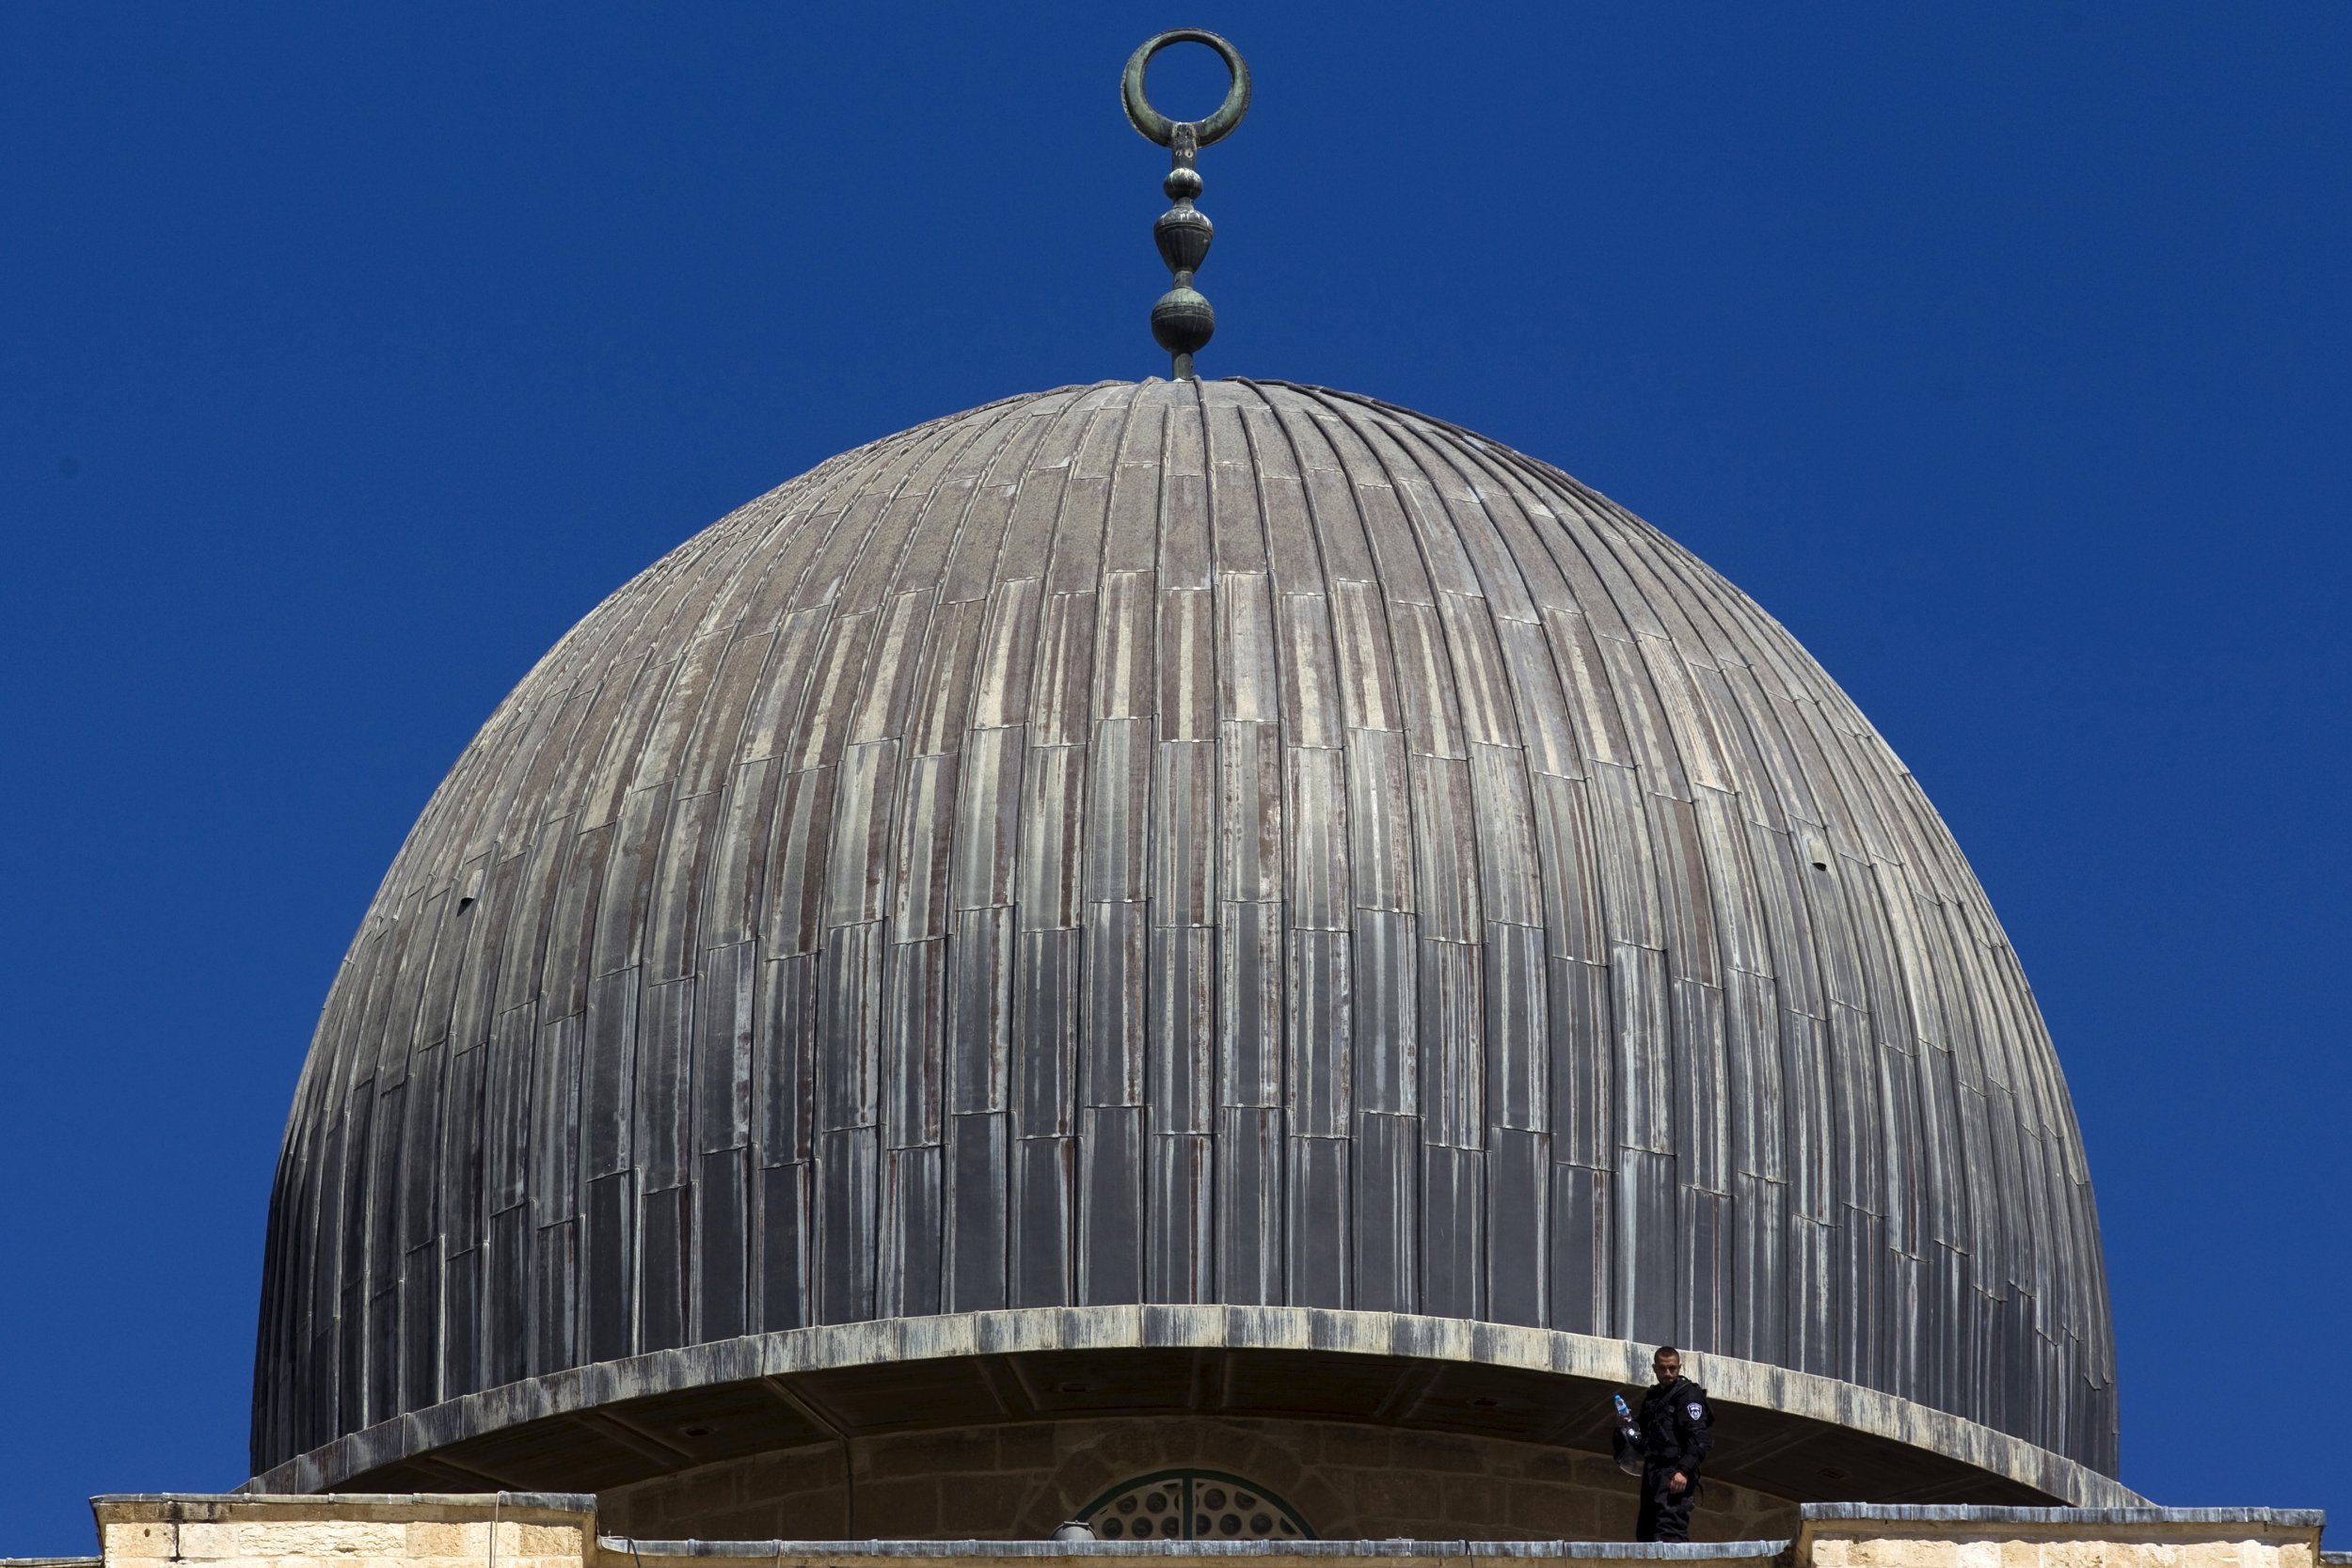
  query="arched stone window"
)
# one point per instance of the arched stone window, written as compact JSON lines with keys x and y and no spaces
{"x":1193,"y":1505}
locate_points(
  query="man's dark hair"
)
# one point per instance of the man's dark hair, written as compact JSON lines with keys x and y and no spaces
{"x":1666,"y":1349}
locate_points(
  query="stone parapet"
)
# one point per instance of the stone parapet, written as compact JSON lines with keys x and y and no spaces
{"x":1322,"y":1554}
{"x":558,"y":1530}
{"x":511,"y":1530}
{"x":1868,"y":1535}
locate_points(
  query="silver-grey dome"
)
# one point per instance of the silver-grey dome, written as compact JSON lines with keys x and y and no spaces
{"x":1199,"y":842}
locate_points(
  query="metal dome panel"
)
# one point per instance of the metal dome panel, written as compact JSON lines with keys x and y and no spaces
{"x":1213,"y":842}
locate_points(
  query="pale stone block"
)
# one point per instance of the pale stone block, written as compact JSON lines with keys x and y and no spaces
{"x":552,"y":1541}
{"x":135,"y":1541}
{"x":2229,"y":1554}
{"x":210,"y":1542}
{"x":2096,"y":1554}
{"x":1978,"y":1553}
{"x":429,"y":1540}
{"x":1901,"y":1552}
{"x":322,"y":1538}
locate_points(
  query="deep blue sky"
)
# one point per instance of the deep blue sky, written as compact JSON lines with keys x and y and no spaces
{"x":348,"y":355}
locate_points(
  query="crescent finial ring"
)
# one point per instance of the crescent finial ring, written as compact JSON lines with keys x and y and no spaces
{"x":1156,"y":126}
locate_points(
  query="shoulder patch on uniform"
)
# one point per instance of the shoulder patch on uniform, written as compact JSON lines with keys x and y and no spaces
{"x":1697,"y":1409}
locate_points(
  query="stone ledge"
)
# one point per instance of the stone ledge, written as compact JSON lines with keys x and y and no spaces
{"x":518,"y":1530}
{"x":557,"y":1531}
{"x":1863,"y":1535}
{"x":386,"y":1507}
{"x":1986,"y":1513}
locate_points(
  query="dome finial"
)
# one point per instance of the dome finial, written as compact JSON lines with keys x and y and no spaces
{"x":1181,"y":321}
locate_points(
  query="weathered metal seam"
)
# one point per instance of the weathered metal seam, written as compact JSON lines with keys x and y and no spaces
{"x":1641,"y":709}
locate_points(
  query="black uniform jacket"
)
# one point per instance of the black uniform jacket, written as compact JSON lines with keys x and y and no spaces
{"x":1673,"y":1420}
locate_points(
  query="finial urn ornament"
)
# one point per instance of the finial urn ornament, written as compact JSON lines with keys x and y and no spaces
{"x":1182,"y":319}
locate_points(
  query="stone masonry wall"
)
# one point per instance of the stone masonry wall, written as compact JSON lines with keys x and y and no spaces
{"x":1017,"y":1481}
{"x":1863,"y":1535}
{"x":564,"y":1530}
{"x":343,"y":1532}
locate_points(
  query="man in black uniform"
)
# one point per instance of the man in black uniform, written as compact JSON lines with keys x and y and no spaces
{"x":1673,"y":1422}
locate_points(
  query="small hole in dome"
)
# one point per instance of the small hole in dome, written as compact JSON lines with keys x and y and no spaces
{"x":1832,"y":1475}
{"x":697,"y":1431}
{"x":1486,"y":1401}
{"x":1073,"y":1387}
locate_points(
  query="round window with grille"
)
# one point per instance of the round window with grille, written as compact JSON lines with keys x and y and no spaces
{"x":1193,"y":1505}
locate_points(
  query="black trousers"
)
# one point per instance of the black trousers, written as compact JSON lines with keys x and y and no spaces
{"x":1665,"y":1515}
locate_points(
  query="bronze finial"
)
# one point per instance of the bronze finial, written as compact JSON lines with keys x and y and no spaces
{"x":1181,"y":321}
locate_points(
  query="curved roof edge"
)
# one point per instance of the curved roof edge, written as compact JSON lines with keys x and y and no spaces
{"x":1906,"y":1434}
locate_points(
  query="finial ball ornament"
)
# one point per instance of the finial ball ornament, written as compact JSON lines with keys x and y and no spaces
{"x":1156,"y":126}
{"x":1183,"y":321}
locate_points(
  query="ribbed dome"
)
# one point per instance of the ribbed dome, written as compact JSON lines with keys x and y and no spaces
{"x":1201,"y":842}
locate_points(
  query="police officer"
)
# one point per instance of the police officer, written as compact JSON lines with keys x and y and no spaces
{"x":1673,"y":1423}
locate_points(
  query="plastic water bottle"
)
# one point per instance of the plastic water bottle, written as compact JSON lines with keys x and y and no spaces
{"x":1627,"y":1446}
